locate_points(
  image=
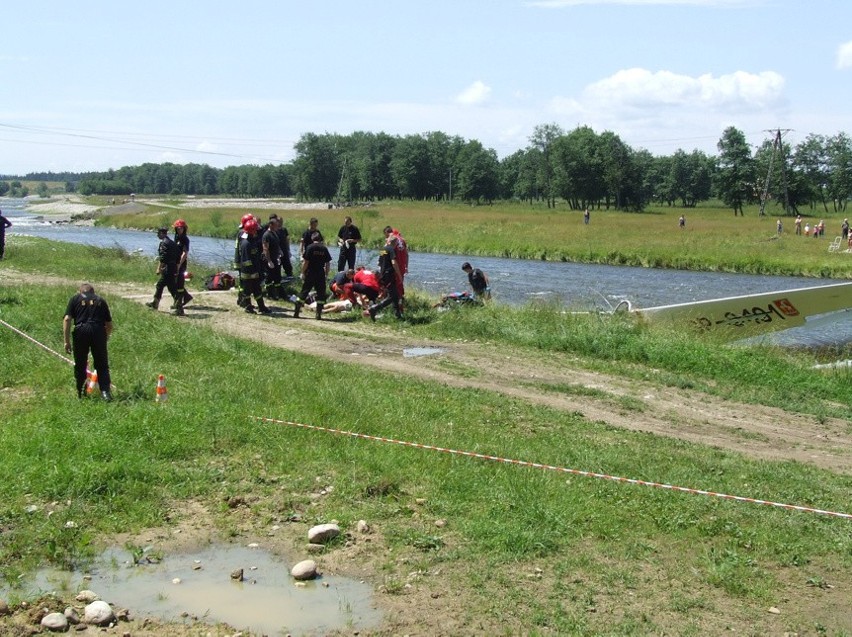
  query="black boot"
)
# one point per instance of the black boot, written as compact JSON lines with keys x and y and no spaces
{"x":319,"y":312}
{"x":261,"y":307}
{"x":297,"y":309}
{"x":154,"y":304}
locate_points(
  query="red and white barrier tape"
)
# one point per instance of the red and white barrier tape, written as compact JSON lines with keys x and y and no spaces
{"x":45,"y":347}
{"x":579,"y":472}
{"x":31,"y":339}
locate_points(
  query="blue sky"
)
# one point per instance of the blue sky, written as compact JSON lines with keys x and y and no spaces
{"x":92,"y":85}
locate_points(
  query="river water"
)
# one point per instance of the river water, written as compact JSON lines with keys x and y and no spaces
{"x":513,"y":281}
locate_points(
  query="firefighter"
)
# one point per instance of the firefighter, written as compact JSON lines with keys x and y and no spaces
{"x":167,"y":269}
{"x":92,"y":327}
{"x":182,"y":241}
{"x":315,"y":266}
{"x":251,"y":252}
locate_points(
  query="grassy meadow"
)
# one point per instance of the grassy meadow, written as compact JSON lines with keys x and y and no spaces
{"x":523,"y":550}
{"x":713,"y":240}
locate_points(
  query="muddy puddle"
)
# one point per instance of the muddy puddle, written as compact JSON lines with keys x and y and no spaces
{"x":201,"y":584}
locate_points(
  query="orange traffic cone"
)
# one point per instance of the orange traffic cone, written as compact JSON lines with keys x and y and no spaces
{"x":93,"y":387}
{"x":162,"y":394}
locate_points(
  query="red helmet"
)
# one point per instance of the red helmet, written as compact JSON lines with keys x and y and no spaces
{"x":180,"y":223}
{"x":251,"y":226}
{"x":245,"y":219}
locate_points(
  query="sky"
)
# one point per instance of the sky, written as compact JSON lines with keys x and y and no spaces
{"x":92,"y":85}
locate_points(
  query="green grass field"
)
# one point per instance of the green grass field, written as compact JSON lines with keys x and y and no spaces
{"x":523,"y":550}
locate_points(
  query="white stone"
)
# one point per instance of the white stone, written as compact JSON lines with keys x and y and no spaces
{"x":87,"y":596}
{"x":55,"y":621}
{"x":71,"y":615}
{"x":362,"y":526}
{"x":323,"y":533}
{"x":98,"y":613}
{"x":306,"y":569}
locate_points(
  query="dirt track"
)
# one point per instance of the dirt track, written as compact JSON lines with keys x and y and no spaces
{"x":687,"y":414}
{"x":754,"y":430}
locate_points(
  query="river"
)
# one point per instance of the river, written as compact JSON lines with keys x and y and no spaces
{"x":513,"y":281}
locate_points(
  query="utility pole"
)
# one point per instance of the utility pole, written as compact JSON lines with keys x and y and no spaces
{"x":777,"y":148}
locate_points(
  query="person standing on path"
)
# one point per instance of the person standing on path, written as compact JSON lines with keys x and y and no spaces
{"x":167,"y":269}
{"x":4,"y":223}
{"x":315,"y":266}
{"x":182,"y":241}
{"x":250,"y":263}
{"x":347,"y":238}
{"x":92,"y":322}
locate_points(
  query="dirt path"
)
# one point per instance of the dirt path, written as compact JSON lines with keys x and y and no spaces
{"x":554,"y":380}
{"x":757,"y":431}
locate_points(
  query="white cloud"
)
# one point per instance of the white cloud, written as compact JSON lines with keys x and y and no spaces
{"x":844,"y":56}
{"x":476,"y":93}
{"x":640,"y":89}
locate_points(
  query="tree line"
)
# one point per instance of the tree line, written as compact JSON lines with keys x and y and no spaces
{"x":581,"y":167}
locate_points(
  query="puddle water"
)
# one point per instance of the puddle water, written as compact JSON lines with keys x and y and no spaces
{"x":409,"y":352}
{"x":267,"y":601}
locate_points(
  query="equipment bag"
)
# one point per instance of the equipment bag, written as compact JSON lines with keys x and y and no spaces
{"x":219,"y":281}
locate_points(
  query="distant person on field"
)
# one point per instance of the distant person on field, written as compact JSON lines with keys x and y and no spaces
{"x":586,"y":216}
{"x":347,"y":238}
{"x":478,"y":282}
{"x":92,"y":323}
{"x":807,"y":229}
{"x":821,"y":227}
{"x":844,"y":229}
{"x":4,"y":223}
{"x":681,"y":222}
{"x":798,"y":224}
{"x":778,"y":227}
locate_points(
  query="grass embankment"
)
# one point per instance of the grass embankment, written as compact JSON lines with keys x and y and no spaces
{"x":714,"y":240}
{"x":613,"y":558}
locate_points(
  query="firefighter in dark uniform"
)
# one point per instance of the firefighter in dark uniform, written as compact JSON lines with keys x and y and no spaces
{"x":284,"y":243}
{"x":241,"y":301}
{"x":315,"y":266}
{"x":306,"y":240}
{"x":169,"y":257}
{"x":389,"y":274}
{"x":92,"y":327}
{"x":347,"y":238}
{"x":272,"y":258}
{"x":182,"y":241}
{"x":251,"y":257}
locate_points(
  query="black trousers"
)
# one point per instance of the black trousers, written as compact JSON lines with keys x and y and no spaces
{"x":347,"y":257}
{"x":168,"y":279}
{"x":314,"y":282}
{"x":391,"y":298}
{"x":90,"y":338}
